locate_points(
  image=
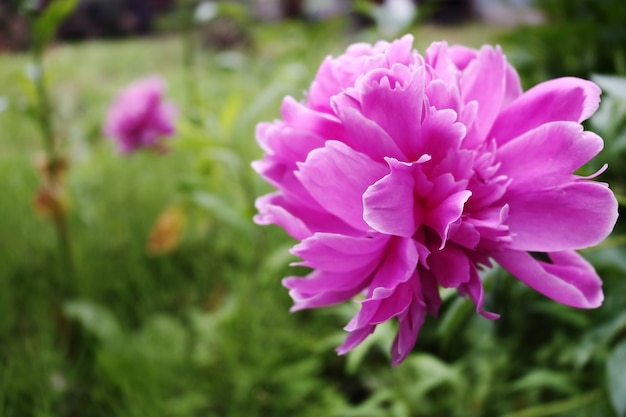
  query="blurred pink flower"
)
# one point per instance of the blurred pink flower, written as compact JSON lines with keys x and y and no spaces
{"x":401,"y":174}
{"x":139,"y":117}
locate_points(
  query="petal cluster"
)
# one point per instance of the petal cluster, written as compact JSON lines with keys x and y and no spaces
{"x":140,"y":117}
{"x":402,"y":173}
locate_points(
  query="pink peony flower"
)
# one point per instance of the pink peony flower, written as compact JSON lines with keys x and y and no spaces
{"x":401,"y":174}
{"x":139,"y":117}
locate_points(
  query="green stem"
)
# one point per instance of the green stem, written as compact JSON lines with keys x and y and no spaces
{"x":65,"y":247}
{"x":558,"y":407}
{"x":43,"y":105}
{"x":189,"y":54}
{"x":43,"y":112}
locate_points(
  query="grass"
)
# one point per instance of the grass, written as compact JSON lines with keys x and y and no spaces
{"x":205,"y":330}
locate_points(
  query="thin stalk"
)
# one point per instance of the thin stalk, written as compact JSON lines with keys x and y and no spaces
{"x":50,"y":173}
{"x":64,"y":243}
{"x":558,"y":407}
{"x":43,"y":105}
{"x":189,"y":55}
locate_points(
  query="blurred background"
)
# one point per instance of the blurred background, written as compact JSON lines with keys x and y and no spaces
{"x":141,"y":287}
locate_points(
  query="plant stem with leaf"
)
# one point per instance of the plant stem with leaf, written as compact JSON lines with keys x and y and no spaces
{"x":54,"y":165}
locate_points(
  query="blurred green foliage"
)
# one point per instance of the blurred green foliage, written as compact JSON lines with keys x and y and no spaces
{"x":610,"y":123}
{"x":204,"y":330}
{"x":579,"y":38}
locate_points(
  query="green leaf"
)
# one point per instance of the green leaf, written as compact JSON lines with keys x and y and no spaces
{"x":543,"y":378}
{"x":430,"y":372}
{"x":616,"y":378}
{"x":225,"y":156}
{"x":455,"y":317}
{"x":608,"y":255}
{"x":187,"y":404}
{"x":221,"y":210}
{"x":230,"y":111}
{"x":205,"y":328}
{"x":162,"y":340}
{"x":46,"y":25}
{"x":598,"y":337}
{"x":95,"y":319}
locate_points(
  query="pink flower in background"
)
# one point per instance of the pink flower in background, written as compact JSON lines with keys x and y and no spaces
{"x":401,"y":174}
{"x":139,"y":117}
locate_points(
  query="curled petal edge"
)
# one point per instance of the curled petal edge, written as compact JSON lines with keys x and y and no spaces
{"x":568,"y":279}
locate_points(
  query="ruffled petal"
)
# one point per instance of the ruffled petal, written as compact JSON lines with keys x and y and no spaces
{"x":389,"y":294}
{"x":394,"y":99}
{"x":447,"y":212}
{"x":450,"y":266}
{"x":299,"y":220}
{"x":389,"y":204}
{"x":272,"y":213}
{"x":354,"y":339}
{"x":383,"y":305}
{"x":324,"y":288}
{"x":484,"y":81}
{"x":568,"y":279}
{"x":411,"y":323}
{"x":299,"y":116}
{"x":334,"y":75}
{"x":286,"y":144}
{"x":340,"y":253}
{"x":364,"y":135}
{"x":474,"y":289}
{"x":336,"y":177}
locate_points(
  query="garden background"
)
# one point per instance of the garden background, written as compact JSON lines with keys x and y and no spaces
{"x":170,"y":302}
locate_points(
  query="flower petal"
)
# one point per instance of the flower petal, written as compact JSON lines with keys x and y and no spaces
{"x":389,"y":204}
{"x":474,"y":289}
{"x":562,"y":99}
{"x":324,"y":288}
{"x":354,"y":339}
{"x":298,"y":219}
{"x":410,"y":325}
{"x":363,"y":134}
{"x":337,"y":176}
{"x":394,"y":99}
{"x":484,"y":81}
{"x":547,"y":156}
{"x":301,"y":117}
{"x":441,"y":217}
{"x":287,"y":144}
{"x":569,"y":279}
{"x":572,"y":216}
{"x":389,"y":294}
{"x":340,"y":253}
{"x":272,"y":213}
{"x":450,"y":266}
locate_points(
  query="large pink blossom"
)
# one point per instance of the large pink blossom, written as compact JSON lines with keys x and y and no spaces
{"x":401,"y":174}
{"x":140,"y":117}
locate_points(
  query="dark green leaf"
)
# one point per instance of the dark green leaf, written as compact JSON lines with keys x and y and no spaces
{"x":616,"y":378}
{"x":46,"y":25}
